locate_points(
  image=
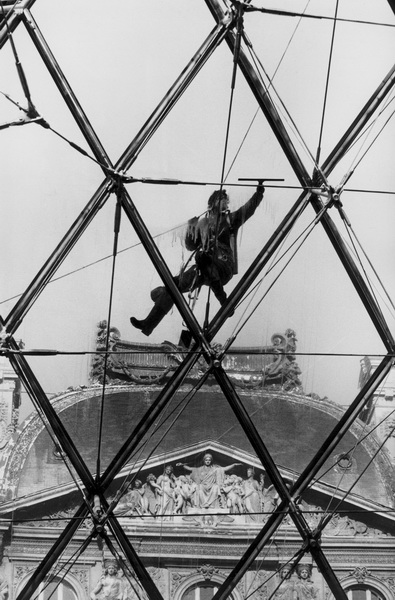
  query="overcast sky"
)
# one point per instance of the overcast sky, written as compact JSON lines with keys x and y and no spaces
{"x":120,"y":62}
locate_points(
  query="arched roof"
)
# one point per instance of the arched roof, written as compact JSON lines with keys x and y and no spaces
{"x":292,"y":427}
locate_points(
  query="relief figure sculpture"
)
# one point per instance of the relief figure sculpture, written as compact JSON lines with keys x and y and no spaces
{"x":209,"y":479}
{"x":286,"y":588}
{"x":167,"y":483}
{"x":252,"y":497}
{"x":152,"y":492}
{"x":110,"y":585}
{"x":304,"y":587}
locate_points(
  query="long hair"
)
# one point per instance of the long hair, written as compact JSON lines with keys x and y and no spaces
{"x":216,"y":198}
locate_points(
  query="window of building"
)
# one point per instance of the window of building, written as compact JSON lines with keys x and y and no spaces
{"x":57,"y":590}
{"x":363,"y":592}
{"x":201,"y":591}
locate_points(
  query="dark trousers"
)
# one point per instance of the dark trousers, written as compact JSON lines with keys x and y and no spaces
{"x":214,"y":273}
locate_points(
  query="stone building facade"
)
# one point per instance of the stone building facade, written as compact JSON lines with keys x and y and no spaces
{"x":194,"y":495}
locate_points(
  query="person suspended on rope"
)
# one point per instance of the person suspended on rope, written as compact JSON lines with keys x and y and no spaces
{"x":212,"y":237}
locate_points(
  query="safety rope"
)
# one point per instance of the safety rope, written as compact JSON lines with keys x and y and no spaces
{"x":236,"y":53}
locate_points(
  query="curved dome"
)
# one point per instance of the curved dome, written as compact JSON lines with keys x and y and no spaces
{"x":292,"y":426}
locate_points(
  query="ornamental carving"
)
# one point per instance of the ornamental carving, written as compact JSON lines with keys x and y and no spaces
{"x":206,"y":495}
{"x":82,"y":576}
{"x":390,"y":582}
{"x":148,"y":364}
{"x":259,"y":587}
{"x":20,"y":572}
{"x":207,"y":571}
{"x":177,"y":578}
{"x":360,"y":574}
{"x":209,"y":496}
{"x":158,"y":576}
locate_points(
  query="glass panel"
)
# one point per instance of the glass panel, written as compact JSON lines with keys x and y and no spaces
{"x":190,"y":594}
{"x":59,"y":591}
{"x":359,"y":594}
{"x":362,"y":592}
{"x":206,"y":592}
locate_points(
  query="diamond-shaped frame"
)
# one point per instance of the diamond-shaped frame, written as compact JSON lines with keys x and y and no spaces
{"x":228,"y":17}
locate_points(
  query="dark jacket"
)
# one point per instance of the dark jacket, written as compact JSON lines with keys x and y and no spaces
{"x":201,"y":233}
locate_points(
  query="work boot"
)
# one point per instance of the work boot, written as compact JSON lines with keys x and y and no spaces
{"x":186,"y":338}
{"x":148,"y":324}
{"x":218,"y":291}
{"x":220,"y":294}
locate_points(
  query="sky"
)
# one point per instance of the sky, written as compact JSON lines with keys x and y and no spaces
{"x":120,"y":64}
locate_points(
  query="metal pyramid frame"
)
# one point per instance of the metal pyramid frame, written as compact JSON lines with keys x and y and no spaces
{"x":226,"y":15}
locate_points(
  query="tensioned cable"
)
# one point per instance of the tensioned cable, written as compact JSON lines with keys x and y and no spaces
{"x":354,"y":190}
{"x":18,"y":64}
{"x":295,"y":559}
{"x":335,"y":490}
{"x":284,"y":13}
{"x":372,"y":430}
{"x":117,"y":221}
{"x":367,"y":279}
{"x":63,"y":455}
{"x":259,"y":566}
{"x":256,"y":61}
{"x":385,"y":510}
{"x":263,"y":557}
{"x":268,"y":88}
{"x":318,"y":154}
{"x":275,"y":261}
{"x":367,"y":131}
{"x":311,"y":227}
{"x":375,"y":138}
{"x":41,"y":121}
{"x":282,"y":108}
{"x":240,"y":351}
{"x":390,"y":433}
{"x":370,"y":125}
{"x":373,"y":269}
{"x":56,"y":573}
{"x":126,"y":569}
{"x":236,"y":51}
{"x":271,"y":576}
{"x":185,"y":400}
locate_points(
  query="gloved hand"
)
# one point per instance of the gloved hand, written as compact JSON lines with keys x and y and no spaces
{"x":260,"y":187}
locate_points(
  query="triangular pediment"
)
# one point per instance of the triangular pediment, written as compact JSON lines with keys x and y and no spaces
{"x":234,"y":464}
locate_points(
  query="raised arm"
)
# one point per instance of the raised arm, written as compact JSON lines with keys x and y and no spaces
{"x":185,"y":466}
{"x":242,"y":214}
{"x":229,"y":467}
